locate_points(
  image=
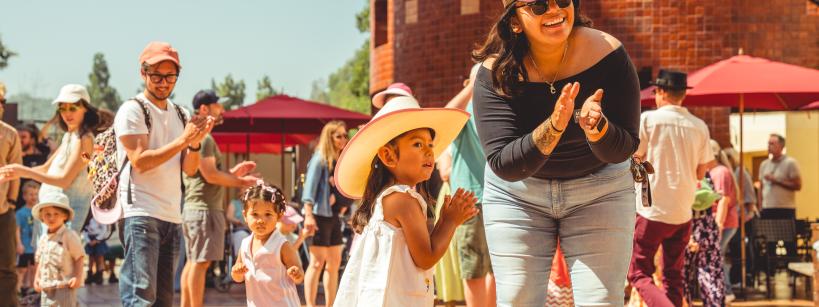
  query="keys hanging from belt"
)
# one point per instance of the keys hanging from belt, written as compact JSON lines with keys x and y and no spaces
{"x":640,"y":172}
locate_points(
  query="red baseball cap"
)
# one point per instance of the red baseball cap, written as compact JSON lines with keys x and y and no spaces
{"x":157,"y":52}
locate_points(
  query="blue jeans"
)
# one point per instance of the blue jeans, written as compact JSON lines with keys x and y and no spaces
{"x":151,"y":247}
{"x":727,"y":234}
{"x":594,"y":218}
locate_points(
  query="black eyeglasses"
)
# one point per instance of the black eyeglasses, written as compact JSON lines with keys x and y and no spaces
{"x":540,"y":7}
{"x":170,"y":78}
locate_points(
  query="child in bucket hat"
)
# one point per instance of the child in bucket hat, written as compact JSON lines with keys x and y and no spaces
{"x":59,"y":255}
{"x":387,"y":164}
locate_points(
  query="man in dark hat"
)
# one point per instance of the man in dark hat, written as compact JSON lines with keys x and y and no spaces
{"x":677,"y":144}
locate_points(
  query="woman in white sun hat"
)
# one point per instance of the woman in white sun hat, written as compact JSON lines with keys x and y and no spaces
{"x":387,"y":164}
{"x":66,"y":172}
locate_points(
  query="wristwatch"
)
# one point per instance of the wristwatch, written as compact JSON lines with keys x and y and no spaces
{"x":600,"y":125}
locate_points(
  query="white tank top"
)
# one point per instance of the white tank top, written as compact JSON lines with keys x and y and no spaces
{"x":380,"y":271}
{"x":266,"y":280}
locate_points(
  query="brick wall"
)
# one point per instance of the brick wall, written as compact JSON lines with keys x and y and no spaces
{"x":431,"y":52}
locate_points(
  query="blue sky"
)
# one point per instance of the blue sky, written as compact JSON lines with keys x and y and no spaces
{"x":294,"y":42}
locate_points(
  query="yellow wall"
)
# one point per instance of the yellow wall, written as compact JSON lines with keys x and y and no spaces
{"x":802,"y":143}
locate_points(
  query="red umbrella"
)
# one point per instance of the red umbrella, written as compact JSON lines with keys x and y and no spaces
{"x":283,"y":115}
{"x":259,"y":142}
{"x":811,"y":106}
{"x":761,"y":83}
{"x":748,"y":82}
{"x":287,"y":114}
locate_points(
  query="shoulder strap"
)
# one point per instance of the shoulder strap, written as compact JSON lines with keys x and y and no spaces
{"x":181,"y":114}
{"x":143,"y":104}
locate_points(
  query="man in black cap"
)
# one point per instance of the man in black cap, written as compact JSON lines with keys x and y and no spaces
{"x":203,"y":215}
{"x":677,"y":144}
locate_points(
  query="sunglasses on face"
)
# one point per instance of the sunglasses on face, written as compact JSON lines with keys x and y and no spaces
{"x":169,"y":78}
{"x":540,"y":7}
{"x":70,"y":109}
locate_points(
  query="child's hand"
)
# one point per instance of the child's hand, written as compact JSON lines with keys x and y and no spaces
{"x":296,"y":274}
{"x":238,"y":271}
{"x":37,"y":285}
{"x":74,"y":283}
{"x":20,"y":248}
{"x":460,"y":207}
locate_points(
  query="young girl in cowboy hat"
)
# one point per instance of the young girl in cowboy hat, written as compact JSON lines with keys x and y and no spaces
{"x":386,"y":165}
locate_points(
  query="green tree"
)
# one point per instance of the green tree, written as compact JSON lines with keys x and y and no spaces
{"x":264,"y":89}
{"x":349,"y":86}
{"x":5,"y":54}
{"x":231,"y":89}
{"x":102,"y":94}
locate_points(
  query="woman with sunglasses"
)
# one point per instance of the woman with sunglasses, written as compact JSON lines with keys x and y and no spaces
{"x":323,"y":206}
{"x":66,"y":170}
{"x":557,"y":111}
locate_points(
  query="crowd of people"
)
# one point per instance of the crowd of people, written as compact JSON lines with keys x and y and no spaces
{"x":545,"y":148}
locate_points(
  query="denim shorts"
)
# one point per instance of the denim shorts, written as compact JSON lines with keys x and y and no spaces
{"x":593,"y":216}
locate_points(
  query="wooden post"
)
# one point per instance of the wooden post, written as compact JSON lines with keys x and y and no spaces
{"x":814,"y":229}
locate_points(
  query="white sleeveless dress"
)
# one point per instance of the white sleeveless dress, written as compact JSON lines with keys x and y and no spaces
{"x":79,"y":192}
{"x":266,"y":280}
{"x":380,"y":271}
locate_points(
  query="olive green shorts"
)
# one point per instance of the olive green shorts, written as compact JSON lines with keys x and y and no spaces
{"x":472,"y":249}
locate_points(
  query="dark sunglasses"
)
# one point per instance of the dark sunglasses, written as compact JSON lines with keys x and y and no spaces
{"x":540,"y":7}
{"x":170,"y":78}
{"x":69,"y":109}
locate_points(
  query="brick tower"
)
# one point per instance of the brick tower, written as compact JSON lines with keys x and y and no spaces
{"x":427,"y":43}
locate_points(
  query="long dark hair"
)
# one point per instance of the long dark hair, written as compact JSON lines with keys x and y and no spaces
{"x":90,"y":122}
{"x":509,"y":50}
{"x":380,"y":177}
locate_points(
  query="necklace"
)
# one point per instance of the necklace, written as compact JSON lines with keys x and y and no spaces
{"x":540,"y":75}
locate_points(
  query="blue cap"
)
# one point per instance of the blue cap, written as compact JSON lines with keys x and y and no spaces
{"x":206,"y":97}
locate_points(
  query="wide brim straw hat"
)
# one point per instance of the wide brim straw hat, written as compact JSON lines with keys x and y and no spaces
{"x":399,"y":115}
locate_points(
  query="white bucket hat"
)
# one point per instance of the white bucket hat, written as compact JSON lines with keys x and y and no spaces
{"x":55,"y":199}
{"x":399,"y":115}
{"x":72,"y":93}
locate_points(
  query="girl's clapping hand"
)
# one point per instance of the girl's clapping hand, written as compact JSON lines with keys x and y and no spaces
{"x":459,"y":207}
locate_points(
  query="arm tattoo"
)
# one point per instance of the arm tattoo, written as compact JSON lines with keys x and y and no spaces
{"x":546,"y":137}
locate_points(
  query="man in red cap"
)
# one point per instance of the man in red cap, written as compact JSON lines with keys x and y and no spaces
{"x":158,"y":138}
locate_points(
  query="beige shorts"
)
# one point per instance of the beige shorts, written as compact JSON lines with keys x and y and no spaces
{"x":204,"y":232}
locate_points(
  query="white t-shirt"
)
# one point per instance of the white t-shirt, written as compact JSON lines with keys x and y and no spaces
{"x":156,"y":193}
{"x":675,"y":142}
{"x":775,"y":196}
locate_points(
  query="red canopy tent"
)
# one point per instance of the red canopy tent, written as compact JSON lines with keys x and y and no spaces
{"x":748,"y":82}
{"x":276,"y":122}
{"x":811,"y":106}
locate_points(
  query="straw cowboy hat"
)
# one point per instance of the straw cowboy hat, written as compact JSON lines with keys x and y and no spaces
{"x":56,"y":199}
{"x":399,"y":115}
